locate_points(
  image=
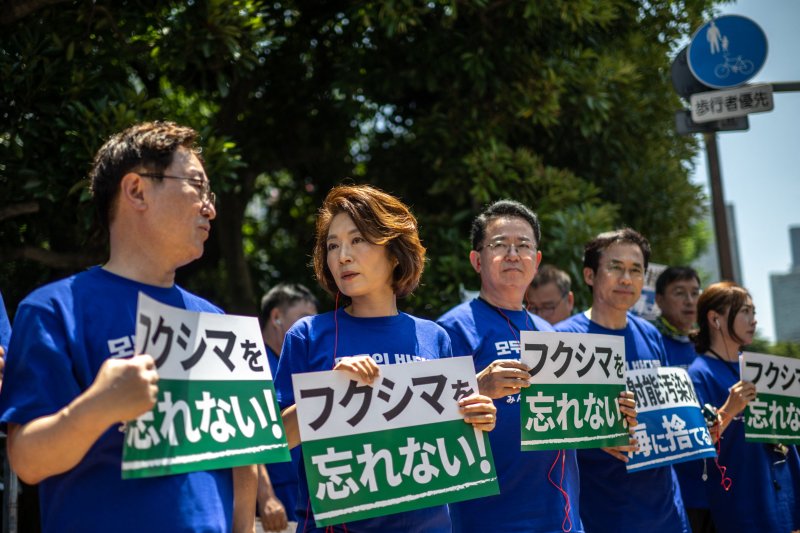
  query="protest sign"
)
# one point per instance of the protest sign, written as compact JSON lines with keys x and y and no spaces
{"x":572,"y":402}
{"x":396,"y":445}
{"x":646,"y":307}
{"x":774,"y":416}
{"x":216,"y":403}
{"x":671,"y":426}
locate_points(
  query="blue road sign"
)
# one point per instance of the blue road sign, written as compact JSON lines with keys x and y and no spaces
{"x":727,"y":51}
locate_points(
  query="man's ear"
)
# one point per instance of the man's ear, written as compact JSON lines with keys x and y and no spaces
{"x":660,"y":300}
{"x":588,"y":276}
{"x":131,"y":188}
{"x":475,"y":260}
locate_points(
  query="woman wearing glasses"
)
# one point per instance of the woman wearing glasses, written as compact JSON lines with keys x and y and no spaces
{"x":755,"y":486}
{"x":367,"y":254}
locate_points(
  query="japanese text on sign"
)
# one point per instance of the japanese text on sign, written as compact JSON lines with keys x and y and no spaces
{"x":671,"y":427}
{"x":719,"y":105}
{"x":774,"y":415}
{"x":398,"y":444}
{"x":216,"y":403}
{"x":575,"y":382}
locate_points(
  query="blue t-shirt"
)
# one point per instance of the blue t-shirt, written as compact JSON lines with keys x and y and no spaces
{"x":5,"y":325}
{"x":612,"y":499}
{"x":283,"y":476}
{"x":680,"y":352}
{"x":754,"y":501}
{"x":309,"y":347}
{"x":527,"y":500}
{"x":63,"y":332}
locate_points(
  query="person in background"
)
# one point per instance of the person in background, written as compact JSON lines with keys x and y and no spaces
{"x":281,"y":307}
{"x":5,"y":336}
{"x":368,"y":253}
{"x":72,"y":377}
{"x":764,"y":491}
{"x":677,"y":291}
{"x":550,"y":296}
{"x":613,"y":500}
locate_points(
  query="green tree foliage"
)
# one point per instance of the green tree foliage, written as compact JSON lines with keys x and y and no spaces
{"x":565,"y":105}
{"x":782,"y":348}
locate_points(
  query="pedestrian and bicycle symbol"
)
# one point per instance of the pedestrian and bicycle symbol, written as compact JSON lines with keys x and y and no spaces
{"x":727,"y":51}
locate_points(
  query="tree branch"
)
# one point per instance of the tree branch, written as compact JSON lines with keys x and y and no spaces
{"x":58,"y":260}
{"x":15,"y":210}
{"x":14,"y":10}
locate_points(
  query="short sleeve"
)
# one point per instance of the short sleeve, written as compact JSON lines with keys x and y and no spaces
{"x":459,"y":343}
{"x":39,"y":379}
{"x":293,"y":360}
{"x":446,"y":345}
{"x":5,"y":325}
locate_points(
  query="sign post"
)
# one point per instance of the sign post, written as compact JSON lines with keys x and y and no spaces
{"x":727,"y":51}
{"x":724,"y":53}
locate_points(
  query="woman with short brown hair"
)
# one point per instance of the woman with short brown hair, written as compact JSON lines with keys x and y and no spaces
{"x":367,"y":253}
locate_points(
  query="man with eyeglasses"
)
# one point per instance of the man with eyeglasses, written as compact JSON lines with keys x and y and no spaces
{"x":72,"y":377}
{"x":612,"y":499}
{"x":505,"y":237}
{"x":677,"y":291}
{"x":549,"y":295}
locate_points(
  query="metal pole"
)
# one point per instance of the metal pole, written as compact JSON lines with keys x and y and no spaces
{"x":718,"y":205}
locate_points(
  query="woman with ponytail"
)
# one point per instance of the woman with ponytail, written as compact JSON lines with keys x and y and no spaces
{"x":753,"y":486}
{"x":367,"y":254}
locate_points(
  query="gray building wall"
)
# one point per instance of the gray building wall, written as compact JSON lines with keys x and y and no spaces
{"x":786,"y":295}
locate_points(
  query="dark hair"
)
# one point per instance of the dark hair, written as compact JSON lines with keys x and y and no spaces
{"x":551,"y":274}
{"x":148,"y":146}
{"x":595,"y":247}
{"x":673,"y":274}
{"x":500,"y":209}
{"x":382,"y":219}
{"x":283,"y":296}
{"x":718,"y":297}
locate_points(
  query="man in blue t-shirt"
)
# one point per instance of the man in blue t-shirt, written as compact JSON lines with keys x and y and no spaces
{"x":677,"y":291}
{"x":505,"y":238}
{"x":281,"y":307}
{"x":612,"y":499}
{"x":5,"y":335}
{"x":72,"y":377}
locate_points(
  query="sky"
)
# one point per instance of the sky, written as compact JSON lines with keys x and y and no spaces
{"x":761,"y":166}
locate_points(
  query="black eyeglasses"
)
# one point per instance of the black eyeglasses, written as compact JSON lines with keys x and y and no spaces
{"x":203,"y":186}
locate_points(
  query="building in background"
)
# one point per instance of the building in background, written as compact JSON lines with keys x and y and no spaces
{"x":786,"y":294}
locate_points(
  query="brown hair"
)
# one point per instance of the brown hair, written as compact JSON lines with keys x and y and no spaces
{"x":382,"y":219}
{"x":718,"y":297}
{"x":550,"y":274}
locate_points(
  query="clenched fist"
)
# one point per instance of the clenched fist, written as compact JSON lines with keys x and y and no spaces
{"x":126,"y":388}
